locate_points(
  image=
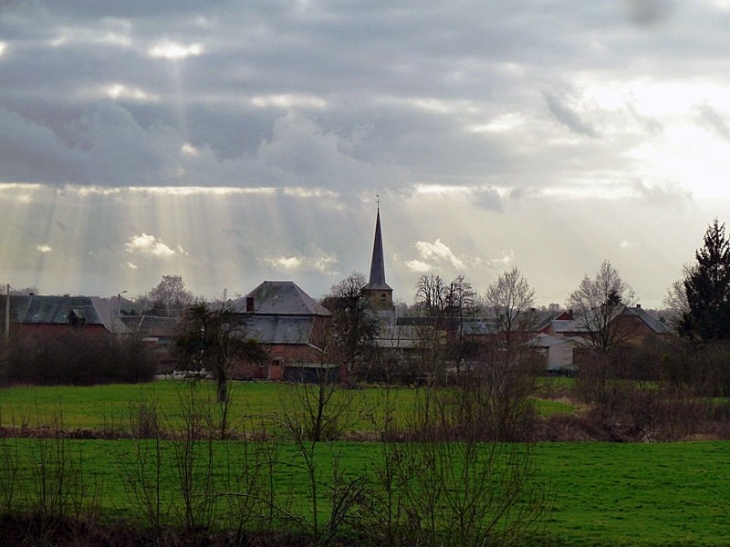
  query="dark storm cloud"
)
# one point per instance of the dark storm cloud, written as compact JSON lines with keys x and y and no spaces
{"x":315,"y":93}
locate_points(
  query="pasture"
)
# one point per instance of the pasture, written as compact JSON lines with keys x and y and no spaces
{"x":109,"y":407}
{"x":649,"y":494}
{"x":600,"y":494}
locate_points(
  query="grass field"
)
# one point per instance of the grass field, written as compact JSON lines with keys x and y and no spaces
{"x":108,"y":406}
{"x":602,"y":494}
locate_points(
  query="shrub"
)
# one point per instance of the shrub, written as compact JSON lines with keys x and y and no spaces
{"x":77,"y":358}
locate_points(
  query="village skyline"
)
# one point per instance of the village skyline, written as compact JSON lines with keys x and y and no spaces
{"x":227,"y":144}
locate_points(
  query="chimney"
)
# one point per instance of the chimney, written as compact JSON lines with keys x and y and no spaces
{"x":249,"y":304}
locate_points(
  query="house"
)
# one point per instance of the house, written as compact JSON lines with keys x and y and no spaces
{"x":557,"y":351}
{"x":159,"y":334}
{"x":290,"y":325}
{"x":42,"y":315}
{"x":631,"y":325}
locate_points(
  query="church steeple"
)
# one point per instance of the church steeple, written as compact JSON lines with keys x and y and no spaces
{"x":378,"y":291}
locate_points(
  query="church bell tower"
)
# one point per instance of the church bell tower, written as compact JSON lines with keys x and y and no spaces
{"x":378,"y":292}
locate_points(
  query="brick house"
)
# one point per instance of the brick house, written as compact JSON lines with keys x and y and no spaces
{"x":42,"y":316}
{"x":290,"y":325}
{"x":632,"y":325}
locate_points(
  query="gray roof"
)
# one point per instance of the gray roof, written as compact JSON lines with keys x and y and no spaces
{"x":52,"y":310}
{"x":274,"y":329}
{"x":579,"y":326}
{"x":377,"y":264}
{"x":547,"y":341}
{"x":281,"y":298}
{"x":658,"y":326}
{"x":151,"y":325}
{"x":58,"y":310}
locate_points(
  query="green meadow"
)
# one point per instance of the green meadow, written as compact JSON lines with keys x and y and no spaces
{"x":653,"y":494}
{"x":109,"y":406}
{"x":600,"y":494}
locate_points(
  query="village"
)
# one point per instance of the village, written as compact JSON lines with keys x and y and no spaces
{"x":289,"y":324}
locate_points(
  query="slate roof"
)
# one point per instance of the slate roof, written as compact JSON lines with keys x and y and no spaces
{"x":546,"y":341}
{"x":377,"y":264}
{"x":276,"y":329}
{"x":579,"y":326}
{"x":59,"y":310}
{"x":51,"y":310}
{"x":659,"y":327}
{"x":151,"y":325}
{"x":281,"y":298}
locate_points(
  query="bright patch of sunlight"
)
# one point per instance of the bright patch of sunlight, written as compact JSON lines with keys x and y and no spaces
{"x":174,"y":51}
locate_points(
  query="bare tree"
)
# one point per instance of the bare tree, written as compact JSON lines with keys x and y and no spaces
{"x":460,"y":303}
{"x":511,"y":299}
{"x":508,"y":370}
{"x":170,"y":294}
{"x":314,"y":411}
{"x":430,"y":293}
{"x":596,"y":304}
{"x":675,"y":299}
{"x":353,"y":327}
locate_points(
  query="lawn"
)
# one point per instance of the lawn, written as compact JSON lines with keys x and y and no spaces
{"x":109,"y":407}
{"x":601,"y":494}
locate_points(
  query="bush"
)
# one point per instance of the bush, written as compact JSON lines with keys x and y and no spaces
{"x":76,"y":358}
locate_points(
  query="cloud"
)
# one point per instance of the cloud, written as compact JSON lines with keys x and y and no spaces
{"x":418,"y":266}
{"x":649,"y":12}
{"x":439,"y":252}
{"x":501,"y":262}
{"x":569,"y":117}
{"x":712,"y":120}
{"x":174,"y":51}
{"x":150,"y":245}
{"x":233,"y":126}
{"x":489,"y":198}
{"x":290,"y":263}
{"x":661,"y":194}
{"x":43,"y":249}
{"x":324,"y":263}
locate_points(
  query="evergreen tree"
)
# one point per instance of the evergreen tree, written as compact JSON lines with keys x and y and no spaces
{"x":707,"y":286}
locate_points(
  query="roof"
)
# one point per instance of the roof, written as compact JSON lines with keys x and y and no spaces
{"x":377,"y":264}
{"x":546,"y":341}
{"x":61,"y":310}
{"x":275,"y":329}
{"x":579,"y":326}
{"x":657,"y":325}
{"x":151,"y":325}
{"x":281,"y":298}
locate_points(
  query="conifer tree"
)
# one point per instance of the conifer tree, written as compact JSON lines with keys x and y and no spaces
{"x":707,"y":286}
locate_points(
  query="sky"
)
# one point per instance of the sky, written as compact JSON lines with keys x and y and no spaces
{"x":235,"y":142}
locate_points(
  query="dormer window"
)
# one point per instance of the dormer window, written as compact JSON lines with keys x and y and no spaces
{"x":77,"y":318}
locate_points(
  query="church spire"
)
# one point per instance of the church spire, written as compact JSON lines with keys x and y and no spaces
{"x":379,"y":293}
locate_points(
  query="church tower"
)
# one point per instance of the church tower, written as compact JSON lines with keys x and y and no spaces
{"x":378,"y":292}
